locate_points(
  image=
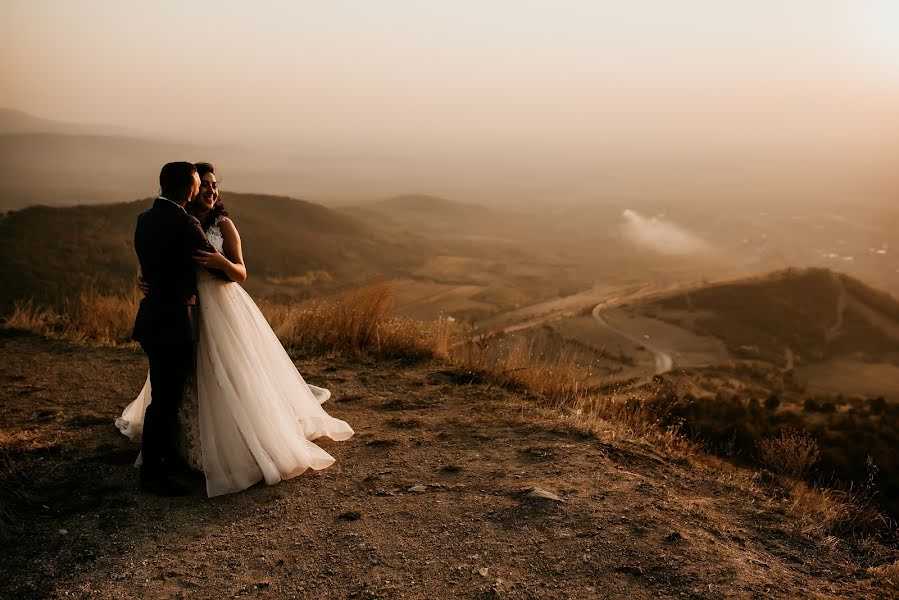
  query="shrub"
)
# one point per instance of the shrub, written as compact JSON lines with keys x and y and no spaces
{"x":792,"y":454}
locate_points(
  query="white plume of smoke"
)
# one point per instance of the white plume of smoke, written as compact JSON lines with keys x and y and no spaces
{"x":661,"y":236}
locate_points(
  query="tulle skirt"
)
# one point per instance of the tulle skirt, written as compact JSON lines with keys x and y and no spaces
{"x":248,"y":415}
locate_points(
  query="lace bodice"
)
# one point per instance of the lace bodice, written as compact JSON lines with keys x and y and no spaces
{"x":214,"y":235}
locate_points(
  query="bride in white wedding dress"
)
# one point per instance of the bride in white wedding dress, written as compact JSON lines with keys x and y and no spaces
{"x":247,"y":415}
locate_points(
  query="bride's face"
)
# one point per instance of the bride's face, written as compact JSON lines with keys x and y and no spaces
{"x":209,"y":192}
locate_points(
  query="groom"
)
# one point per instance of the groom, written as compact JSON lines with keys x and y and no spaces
{"x":167,"y":324}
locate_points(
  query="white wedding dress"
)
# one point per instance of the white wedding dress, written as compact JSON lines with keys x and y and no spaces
{"x":247,"y":415}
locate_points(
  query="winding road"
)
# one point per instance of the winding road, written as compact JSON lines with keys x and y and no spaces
{"x":663,"y":360}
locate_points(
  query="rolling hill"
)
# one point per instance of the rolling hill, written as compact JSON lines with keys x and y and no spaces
{"x":50,"y":253}
{"x":815,"y":314}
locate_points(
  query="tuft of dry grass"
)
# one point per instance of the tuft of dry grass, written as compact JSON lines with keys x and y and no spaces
{"x":559,"y":382}
{"x":358,"y":323}
{"x":824,"y":513}
{"x":791,"y":454}
{"x":889,"y":573}
{"x":89,"y":316}
{"x":26,"y":316}
{"x":107,"y":319}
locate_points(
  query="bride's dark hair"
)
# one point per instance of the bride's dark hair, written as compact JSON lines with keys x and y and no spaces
{"x":218,"y":209}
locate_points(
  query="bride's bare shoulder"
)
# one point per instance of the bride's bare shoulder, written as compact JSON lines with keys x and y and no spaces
{"x":227,"y":225}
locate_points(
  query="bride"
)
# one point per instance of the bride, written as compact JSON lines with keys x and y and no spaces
{"x":247,"y":415}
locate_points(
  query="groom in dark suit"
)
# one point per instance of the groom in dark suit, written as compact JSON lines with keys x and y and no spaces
{"x":167,"y":324}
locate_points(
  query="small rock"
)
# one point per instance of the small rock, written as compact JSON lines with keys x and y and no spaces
{"x":483,"y":572}
{"x":350,"y":516}
{"x":630,"y":569}
{"x":64,"y":531}
{"x":674,"y":536}
{"x":543,"y":495}
{"x":418,"y":489}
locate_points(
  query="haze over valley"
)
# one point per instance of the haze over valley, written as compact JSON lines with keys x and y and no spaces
{"x":523,"y":242}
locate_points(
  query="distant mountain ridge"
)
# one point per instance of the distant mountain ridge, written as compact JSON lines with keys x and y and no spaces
{"x":14,"y":121}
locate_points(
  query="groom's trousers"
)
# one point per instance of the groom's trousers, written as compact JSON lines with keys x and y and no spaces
{"x":170,"y":365}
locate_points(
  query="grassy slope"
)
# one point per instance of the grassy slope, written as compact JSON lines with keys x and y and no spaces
{"x":50,"y":253}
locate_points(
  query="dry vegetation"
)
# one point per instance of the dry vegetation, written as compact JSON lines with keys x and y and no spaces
{"x":359,"y":323}
{"x":823,"y":512}
{"x":91,"y":316}
{"x":791,"y":454}
{"x":362,"y":323}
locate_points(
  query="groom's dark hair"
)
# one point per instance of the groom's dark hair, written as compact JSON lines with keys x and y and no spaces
{"x":176,"y":179}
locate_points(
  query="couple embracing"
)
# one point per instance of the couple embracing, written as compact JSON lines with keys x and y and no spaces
{"x":222,"y":396}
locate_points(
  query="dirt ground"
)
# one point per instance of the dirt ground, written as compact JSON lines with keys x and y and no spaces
{"x":430,"y":499}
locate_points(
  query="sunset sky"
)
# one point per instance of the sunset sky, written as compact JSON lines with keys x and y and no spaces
{"x":500,"y":78}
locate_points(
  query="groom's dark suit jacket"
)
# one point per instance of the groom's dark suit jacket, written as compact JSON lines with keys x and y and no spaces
{"x":165,"y":239}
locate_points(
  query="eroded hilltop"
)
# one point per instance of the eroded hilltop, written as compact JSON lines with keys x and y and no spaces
{"x":432,"y":498}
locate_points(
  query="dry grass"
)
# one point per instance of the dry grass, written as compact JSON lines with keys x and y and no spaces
{"x":888,"y":573}
{"x":359,"y":323}
{"x":90,"y":316}
{"x":561,"y":384}
{"x":28,"y":317}
{"x":792,"y":454}
{"x":825,"y":513}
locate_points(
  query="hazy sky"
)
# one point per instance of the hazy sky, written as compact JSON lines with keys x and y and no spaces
{"x":493,"y":78}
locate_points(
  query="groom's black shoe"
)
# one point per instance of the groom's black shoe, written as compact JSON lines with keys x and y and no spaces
{"x":154,"y":482}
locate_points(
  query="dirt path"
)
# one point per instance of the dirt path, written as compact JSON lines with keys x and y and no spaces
{"x":633,"y":523}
